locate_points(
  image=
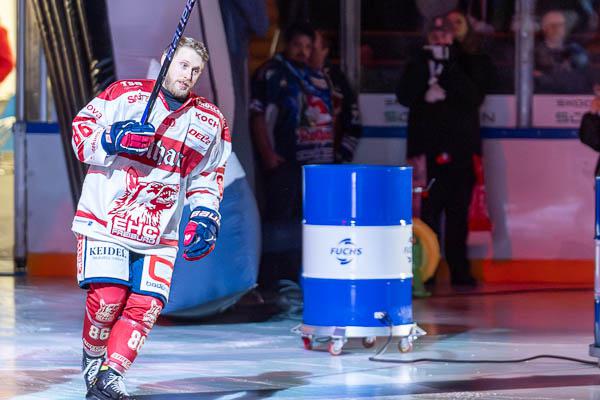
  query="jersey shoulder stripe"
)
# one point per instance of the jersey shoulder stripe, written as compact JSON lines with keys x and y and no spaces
{"x":119,"y":88}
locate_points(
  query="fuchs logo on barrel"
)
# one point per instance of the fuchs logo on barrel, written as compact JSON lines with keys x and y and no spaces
{"x":345,"y":251}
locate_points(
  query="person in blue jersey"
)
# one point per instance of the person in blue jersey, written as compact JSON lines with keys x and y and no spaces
{"x":292,"y":125}
{"x":346,"y":113}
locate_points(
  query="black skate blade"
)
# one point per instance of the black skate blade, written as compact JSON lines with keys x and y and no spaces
{"x":95,"y":394}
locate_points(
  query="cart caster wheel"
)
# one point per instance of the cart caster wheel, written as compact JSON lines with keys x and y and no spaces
{"x":335,"y":348}
{"x":368,"y":342}
{"x":308,"y":343}
{"x":405,"y":345}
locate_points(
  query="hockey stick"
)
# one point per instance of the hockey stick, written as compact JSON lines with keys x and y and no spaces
{"x":168,"y":58}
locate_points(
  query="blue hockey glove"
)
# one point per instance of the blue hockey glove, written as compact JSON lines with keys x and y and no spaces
{"x":128,"y":137}
{"x":200,"y":234}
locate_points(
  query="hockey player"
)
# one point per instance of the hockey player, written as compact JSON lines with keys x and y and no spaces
{"x":128,"y":216}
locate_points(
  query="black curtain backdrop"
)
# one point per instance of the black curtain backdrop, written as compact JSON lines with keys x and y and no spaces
{"x":77,"y":45}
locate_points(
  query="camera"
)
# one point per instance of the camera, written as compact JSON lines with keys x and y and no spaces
{"x":438,"y":52}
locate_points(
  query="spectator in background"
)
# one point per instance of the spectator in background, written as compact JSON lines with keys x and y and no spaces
{"x":589,"y":130}
{"x":443,"y":87}
{"x":469,"y":42}
{"x":490,"y":15}
{"x":582,"y":13}
{"x":292,"y":125}
{"x":560,"y":66}
{"x":463,"y":32}
{"x":344,"y":101}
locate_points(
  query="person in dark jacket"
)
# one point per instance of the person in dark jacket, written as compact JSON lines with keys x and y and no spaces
{"x":589,"y":130}
{"x":443,"y":87}
{"x":561,"y":65}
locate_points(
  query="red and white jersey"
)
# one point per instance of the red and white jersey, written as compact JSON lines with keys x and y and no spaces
{"x":137,"y":200}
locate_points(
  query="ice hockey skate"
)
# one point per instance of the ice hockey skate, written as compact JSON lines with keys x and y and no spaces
{"x":90,"y":366}
{"x":109,"y":385}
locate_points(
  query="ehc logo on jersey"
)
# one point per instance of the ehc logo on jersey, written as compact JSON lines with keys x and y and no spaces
{"x":137,"y":213}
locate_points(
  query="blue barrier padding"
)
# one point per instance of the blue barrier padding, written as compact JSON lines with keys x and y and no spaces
{"x":528,"y":133}
{"x":357,"y":195}
{"x":341,"y":302}
{"x":384,"y":132}
{"x":486,"y":133}
{"x":230,"y":270}
{"x":42,"y":128}
{"x":399,"y":132}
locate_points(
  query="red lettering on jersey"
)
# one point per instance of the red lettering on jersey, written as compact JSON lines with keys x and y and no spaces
{"x":120,"y":87}
{"x":131,"y":83}
{"x":199,"y":135}
{"x":205,"y":106}
{"x":137,"y":97}
{"x":210,"y":121}
{"x":94,"y":111}
{"x":169,"y":155}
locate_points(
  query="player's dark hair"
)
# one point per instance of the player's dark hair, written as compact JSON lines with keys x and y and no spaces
{"x":298,"y":28}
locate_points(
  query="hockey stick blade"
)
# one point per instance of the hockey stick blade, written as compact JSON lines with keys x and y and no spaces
{"x":187,"y":11}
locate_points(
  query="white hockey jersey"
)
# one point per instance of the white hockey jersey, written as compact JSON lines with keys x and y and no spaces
{"x":137,"y":200}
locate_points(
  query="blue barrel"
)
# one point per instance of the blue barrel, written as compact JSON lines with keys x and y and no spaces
{"x":357,"y":247}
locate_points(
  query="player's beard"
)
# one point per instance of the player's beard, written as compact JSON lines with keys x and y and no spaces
{"x":174,"y":87}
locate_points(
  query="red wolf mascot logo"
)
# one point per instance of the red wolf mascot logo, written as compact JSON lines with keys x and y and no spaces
{"x":151,"y":315}
{"x":136,"y":214}
{"x":107,"y":312}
